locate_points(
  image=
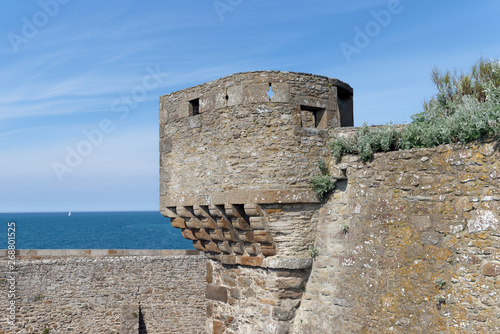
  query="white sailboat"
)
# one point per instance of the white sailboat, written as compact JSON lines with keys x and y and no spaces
{"x":69,"y":214}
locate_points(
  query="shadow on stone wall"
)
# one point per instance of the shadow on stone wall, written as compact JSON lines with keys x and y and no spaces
{"x":142,"y":324}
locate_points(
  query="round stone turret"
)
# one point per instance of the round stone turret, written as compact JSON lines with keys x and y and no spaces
{"x":237,"y":154}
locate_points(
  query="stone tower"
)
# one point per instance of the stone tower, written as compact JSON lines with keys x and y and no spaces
{"x":237,"y":154}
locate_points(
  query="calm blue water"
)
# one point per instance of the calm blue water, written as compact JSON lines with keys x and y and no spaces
{"x":92,"y":230}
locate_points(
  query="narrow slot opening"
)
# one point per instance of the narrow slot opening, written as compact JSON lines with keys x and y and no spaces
{"x":270,"y":92}
{"x":344,"y":101}
{"x":194,"y":107}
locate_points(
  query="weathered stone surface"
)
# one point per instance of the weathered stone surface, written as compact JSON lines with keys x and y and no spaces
{"x":178,"y":222}
{"x":491,"y":269}
{"x":404,"y":237}
{"x":216,"y":292}
{"x":249,"y":261}
{"x":107,"y":291}
{"x":283,"y":314}
{"x":287,"y":263}
{"x":483,"y":220}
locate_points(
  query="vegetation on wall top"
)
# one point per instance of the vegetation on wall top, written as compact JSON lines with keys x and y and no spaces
{"x":465,"y":109}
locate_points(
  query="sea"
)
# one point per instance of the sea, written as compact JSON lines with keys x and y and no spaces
{"x":90,"y":230}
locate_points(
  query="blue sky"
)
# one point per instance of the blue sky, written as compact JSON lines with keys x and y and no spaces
{"x":84,"y":77}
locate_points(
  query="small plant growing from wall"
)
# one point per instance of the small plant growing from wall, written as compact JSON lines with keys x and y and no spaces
{"x":322,"y":167}
{"x":440,"y":300}
{"x":345,"y":228}
{"x":440,"y":283}
{"x":313,"y":252}
{"x":45,"y":330}
{"x":322,"y":184}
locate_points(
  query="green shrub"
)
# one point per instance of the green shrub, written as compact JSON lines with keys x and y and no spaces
{"x":465,"y":109}
{"x":322,"y":185}
{"x":367,"y":141}
{"x":313,"y":252}
{"x":322,"y":166}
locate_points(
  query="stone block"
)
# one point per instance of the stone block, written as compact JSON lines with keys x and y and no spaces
{"x":256,"y":93}
{"x":236,"y":293}
{"x":228,"y":259}
{"x":283,"y":314}
{"x":218,"y":327}
{"x":225,"y":247}
{"x":483,"y":220}
{"x":240,"y":224}
{"x":216,"y":292}
{"x":238,"y":247}
{"x":188,"y":234}
{"x":169,"y":212}
{"x":246,"y":236}
{"x":207,"y":103}
{"x":290,"y":283}
{"x":491,"y":269}
{"x":268,"y":250}
{"x":281,"y":92}
{"x":258,"y":223}
{"x":312,"y":102}
{"x":201,"y":234}
{"x":220,"y":100}
{"x":234,"y":95}
{"x":224,"y":223}
{"x":252,"y":249}
{"x":230,"y":235}
{"x":420,"y":223}
{"x":182,"y":109}
{"x":195,"y":121}
{"x":166,"y":144}
{"x":210,"y":270}
{"x":184,"y":211}
{"x":287,"y":294}
{"x":217,"y":235}
{"x":212,"y":247}
{"x":252,"y":261}
{"x":252,"y":210}
{"x":178,"y":222}
{"x":193,"y":223}
{"x":287,"y":263}
{"x":199,"y":246}
{"x":129,"y":318}
{"x":262,"y":237}
{"x":228,"y":280}
{"x":209,"y":223}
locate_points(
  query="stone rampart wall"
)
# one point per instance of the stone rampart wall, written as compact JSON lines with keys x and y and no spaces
{"x":106,"y":291}
{"x":409,"y":243}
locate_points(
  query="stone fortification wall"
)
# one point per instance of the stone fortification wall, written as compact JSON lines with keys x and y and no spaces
{"x":106,"y":291}
{"x":409,"y":243}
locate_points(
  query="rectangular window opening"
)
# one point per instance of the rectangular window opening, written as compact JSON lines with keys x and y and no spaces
{"x":313,"y":117}
{"x":344,"y":102}
{"x":194,"y":107}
